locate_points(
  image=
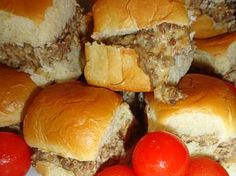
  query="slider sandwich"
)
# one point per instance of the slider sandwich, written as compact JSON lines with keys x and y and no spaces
{"x":16,"y":92}
{"x":75,"y":129}
{"x":217,"y":56}
{"x":205,"y":120}
{"x":42,"y":38}
{"x":139,"y":46}
{"x":212,"y":17}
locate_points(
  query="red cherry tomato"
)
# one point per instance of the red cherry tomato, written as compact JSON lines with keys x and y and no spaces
{"x":200,"y":166}
{"x":160,"y":154}
{"x":117,"y":170}
{"x":14,"y":155}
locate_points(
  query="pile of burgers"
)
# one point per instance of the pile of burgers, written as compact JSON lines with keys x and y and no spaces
{"x":82,"y":81}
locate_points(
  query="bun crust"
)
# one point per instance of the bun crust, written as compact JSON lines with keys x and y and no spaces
{"x":70,"y":119}
{"x":204,"y":27}
{"x":16,"y":90}
{"x":205,"y":95}
{"x":217,"y":54}
{"x":124,"y":17}
{"x":217,"y":45}
{"x":34,"y":10}
{"x":114,"y":68}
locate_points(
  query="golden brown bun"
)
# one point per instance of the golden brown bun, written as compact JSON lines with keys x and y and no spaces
{"x":216,"y":45}
{"x":49,"y":169}
{"x":209,"y":108}
{"x":204,"y":27}
{"x":71,"y":120}
{"x":114,"y":68}
{"x":34,"y":22}
{"x":35,"y":10}
{"x":16,"y":90}
{"x":218,"y":55}
{"x":124,"y":17}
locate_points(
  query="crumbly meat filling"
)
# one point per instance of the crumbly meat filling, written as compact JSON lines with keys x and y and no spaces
{"x":26,"y":57}
{"x":205,"y":140}
{"x":110,"y":153}
{"x":226,"y":152}
{"x":222,"y":12}
{"x":157,"y":49}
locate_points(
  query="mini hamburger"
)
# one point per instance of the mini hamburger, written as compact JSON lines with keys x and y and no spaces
{"x":16,"y":92}
{"x":212,"y":17}
{"x":216,"y":56}
{"x":42,"y":38}
{"x":139,"y":46}
{"x":76,"y":129}
{"x":205,"y":120}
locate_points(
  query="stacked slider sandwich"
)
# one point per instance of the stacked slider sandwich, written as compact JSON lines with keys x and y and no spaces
{"x":16,"y":92}
{"x":205,"y":120}
{"x":76,"y":129}
{"x":139,"y":50}
{"x":42,"y":38}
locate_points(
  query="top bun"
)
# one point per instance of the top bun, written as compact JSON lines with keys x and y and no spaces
{"x":34,"y":22}
{"x":72,"y":120}
{"x":16,"y":89}
{"x":125,"y":17}
{"x":208,"y":109}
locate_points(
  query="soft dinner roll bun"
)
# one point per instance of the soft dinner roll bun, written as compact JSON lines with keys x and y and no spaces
{"x":132,"y":16}
{"x":16,"y":90}
{"x":204,"y":27}
{"x":205,"y":120}
{"x":37,"y":22}
{"x":42,"y":38}
{"x":75,"y":121}
{"x":49,"y":169}
{"x":114,"y":68}
{"x":218,"y":55}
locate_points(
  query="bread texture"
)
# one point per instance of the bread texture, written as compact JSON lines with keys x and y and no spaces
{"x":50,"y":169}
{"x":37,"y":23}
{"x":204,"y":27}
{"x":74,"y":121}
{"x":217,"y":55}
{"x":133,"y":18}
{"x":16,"y":91}
{"x":205,"y":120}
{"x":209,"y":100}
{"x":114,"y":68}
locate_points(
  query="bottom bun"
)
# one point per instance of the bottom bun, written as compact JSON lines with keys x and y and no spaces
{"x":49,"y":169}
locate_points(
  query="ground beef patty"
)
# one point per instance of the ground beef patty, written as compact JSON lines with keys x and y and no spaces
{"x":110,"y":153}
{"x":157,"y":49}
{"x":43,"y":63}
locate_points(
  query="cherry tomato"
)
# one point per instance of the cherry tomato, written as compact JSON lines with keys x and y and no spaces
{"x":117,"y":170}
{"x":200,"y":166}
{"x":160,"y":154}
{"x":14,"y":155}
